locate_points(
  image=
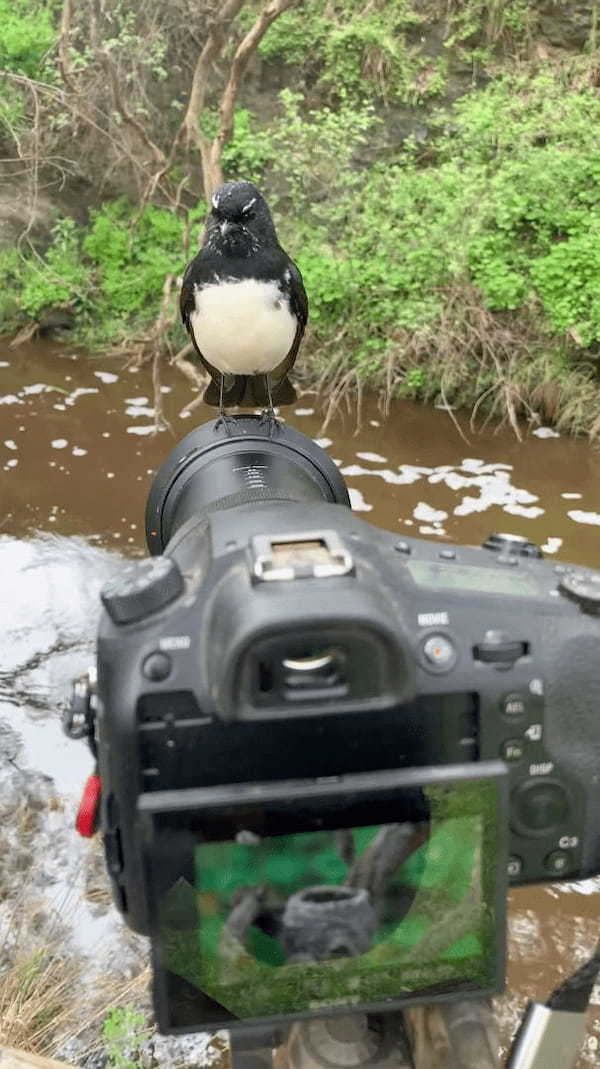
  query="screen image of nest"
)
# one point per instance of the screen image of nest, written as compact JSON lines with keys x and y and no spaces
{"x":294,"y":923}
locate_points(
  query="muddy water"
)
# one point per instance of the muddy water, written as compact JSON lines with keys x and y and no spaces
{"x":77,"y":455}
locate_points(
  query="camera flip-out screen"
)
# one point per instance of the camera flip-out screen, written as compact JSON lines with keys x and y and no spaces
{"x":292,"y":899}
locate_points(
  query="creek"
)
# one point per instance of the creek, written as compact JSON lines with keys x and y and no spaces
{"x":77,"y":455}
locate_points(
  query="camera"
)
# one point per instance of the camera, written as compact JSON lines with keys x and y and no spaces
{"x":325,"y":750}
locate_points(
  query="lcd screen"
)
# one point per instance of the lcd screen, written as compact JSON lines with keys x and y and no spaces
{"x":464,"y":577}
{"x":307,"y":902}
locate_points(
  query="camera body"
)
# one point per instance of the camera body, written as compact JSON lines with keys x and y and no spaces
{"x":295,"y":641}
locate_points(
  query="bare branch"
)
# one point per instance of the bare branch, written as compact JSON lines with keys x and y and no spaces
{"x":245,"y":50}
{"x":190,"y":126}
{"x":126,"y":115}
{"x":64,"y":59}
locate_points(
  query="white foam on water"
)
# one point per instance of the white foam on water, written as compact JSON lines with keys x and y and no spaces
{"x":357,"y":501}
{"x":141,"y":430}
{"x":60,"y":408}
{"x":375,"y":423}
{"x":304,"y":411}
{"x":78,"y":452}
{"x":520,"y":510}
{"x":545,"y":432}
{"x":323,"y":442}
{"x":59,"y":443}
{"x":580,"y":887}
{"x":79,"y":392}
{"x":140,"y":410}
{"x":428,"y":514}
{"x":579,"y":516}
{"x":11,"y":399}
{"x":552,"y":545}
{"x":572,"y":497}
{"x":4,"y":363}
{"x":427,"y":530}
{"x":10,"y":444}
{"x":11,"y":464}
{"x":375,"y":458}
{"x":37,"y":387}
{"x":406,"y":475}
{"x":106,"y":376}
{"x":136,"y":400}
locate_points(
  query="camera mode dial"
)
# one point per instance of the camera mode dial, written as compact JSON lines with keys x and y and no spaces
{"x":143,"y":588}
{"x":512,"y":545}
{"x":582,"y":589}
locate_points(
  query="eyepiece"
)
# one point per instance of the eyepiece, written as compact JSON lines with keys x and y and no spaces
{"x":242,"y":462}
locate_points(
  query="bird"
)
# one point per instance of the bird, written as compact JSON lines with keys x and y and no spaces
{"x":244,"y":305}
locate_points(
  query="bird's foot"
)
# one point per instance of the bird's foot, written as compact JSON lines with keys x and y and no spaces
{"x":227,"y":422}
{"x":269,"y":419}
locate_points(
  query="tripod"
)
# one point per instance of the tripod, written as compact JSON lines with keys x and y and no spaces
{"x":456,"y":1035}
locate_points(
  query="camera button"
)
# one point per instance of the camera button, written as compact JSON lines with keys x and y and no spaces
{"x":512,"y":750}
{"x":157,"y":666}
{"x":513,"y":706}
{"x":438,"y":652}
{"x":558,"y":862}
{"x":514,"y":867}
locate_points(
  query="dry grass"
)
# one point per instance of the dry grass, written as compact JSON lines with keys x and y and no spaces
{"x":37,"y":984}
{"x":44,"y":999}
{"x":502,"y":368}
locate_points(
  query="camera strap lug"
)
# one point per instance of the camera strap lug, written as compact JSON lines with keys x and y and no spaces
{"x":79,"y":717}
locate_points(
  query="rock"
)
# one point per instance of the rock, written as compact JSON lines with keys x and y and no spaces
{"x":568,"y":24}
{"x":15,"y":213}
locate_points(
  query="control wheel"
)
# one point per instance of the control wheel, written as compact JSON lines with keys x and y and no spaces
{"x":512,"y":545}
{"x":539,"y":807}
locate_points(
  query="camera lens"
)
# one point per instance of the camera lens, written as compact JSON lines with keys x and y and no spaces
{"x":211,"y":471}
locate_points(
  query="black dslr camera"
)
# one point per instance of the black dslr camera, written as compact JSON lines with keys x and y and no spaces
{"x":324,"y":750}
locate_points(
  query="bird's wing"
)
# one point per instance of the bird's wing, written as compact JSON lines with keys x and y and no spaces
{"x":299,"y":306}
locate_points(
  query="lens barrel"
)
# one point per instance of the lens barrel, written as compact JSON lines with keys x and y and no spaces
{"x":218,"y":466}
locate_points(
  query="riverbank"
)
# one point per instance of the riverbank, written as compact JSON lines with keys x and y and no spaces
{"x":436,"y":176}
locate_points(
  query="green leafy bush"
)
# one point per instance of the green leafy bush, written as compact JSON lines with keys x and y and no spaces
{"x":27,"y":34}
{"x":131,"y":257}
{"x":123,"y":1033}
{"x":61,"y":278}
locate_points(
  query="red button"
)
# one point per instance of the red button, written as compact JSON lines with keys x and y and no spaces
{"x":88,"y":807}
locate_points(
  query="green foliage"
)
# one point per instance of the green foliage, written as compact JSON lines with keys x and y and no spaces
{"x":510,"y":202}
{"x":357,"y":49}
{"x":27,"y":34}
{"x":131,"y":261}
{"x":307,"y":158}
{"x":61,"y":278}
{"x":123,"y":1034}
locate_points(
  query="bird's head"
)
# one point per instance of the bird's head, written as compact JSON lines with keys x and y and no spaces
{"x":239,"y":217}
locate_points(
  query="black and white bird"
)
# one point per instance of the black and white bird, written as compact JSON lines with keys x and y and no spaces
{"x":243,"y":304}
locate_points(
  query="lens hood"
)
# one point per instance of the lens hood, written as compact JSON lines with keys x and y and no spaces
{"x":242,"y":461}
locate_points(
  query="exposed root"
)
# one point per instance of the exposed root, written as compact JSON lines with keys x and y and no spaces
{"x":25,"y":335}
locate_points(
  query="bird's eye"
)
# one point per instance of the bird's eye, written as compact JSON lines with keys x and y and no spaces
{"x":248,"y":209}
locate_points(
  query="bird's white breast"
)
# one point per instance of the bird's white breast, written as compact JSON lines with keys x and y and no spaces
{"x":243,"y":327}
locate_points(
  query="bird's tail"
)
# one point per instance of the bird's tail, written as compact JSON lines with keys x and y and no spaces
{"x":282,"y":392}
{"x":234,"y":389}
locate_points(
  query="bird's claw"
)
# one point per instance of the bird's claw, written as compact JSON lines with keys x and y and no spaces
{"x":228,"y":422}
{"x":269,"y":417}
